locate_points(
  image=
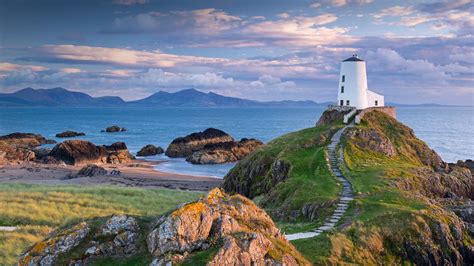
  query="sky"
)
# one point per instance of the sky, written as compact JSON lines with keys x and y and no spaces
{"x":416,"y":51}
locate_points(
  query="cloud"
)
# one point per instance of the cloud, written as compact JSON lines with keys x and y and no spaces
{"x":7,"y":67}
{"x":396,"y":11}
{"x":299,"y":31}
{"x":131,"y":2}
{"x":115,"y":56}
{"x":208,"y":21}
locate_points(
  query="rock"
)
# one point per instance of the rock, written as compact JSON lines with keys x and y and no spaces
{"x":115,"y":172}
{"x":118,"y":153}
{"x":248,"y":234}
{"x":29,"y":140}
{"x":81,"y":152}
{"x":92,"y":170}
{"x":185,"y":146}
{"x":18,"y":147}
{"x":371,"y":139}
{"x":69,"y":134}
{"x":224,"y":152}
{"x":333,"y":114}
{"x":118,"y":236}
{"x":150,"y":150}
{"x":41,"y":153}
{"x":113,"y":129}
{"x":47,"y":251}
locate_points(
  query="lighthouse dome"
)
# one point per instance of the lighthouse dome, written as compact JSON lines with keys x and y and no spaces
{"x":353,"y":58}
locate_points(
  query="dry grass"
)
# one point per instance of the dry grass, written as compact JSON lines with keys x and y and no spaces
{"x":38,"y":210}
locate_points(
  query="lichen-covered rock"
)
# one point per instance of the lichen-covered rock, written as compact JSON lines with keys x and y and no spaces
{"x":224,"y":152}
{"x":47,"y":251}
{"x":371,"y":140}
{"x":92,"y":170}
{"x":70,"y":134}
{"x":150,"y":150}
{"x":246,"y":234}
{"x":185,"y":146}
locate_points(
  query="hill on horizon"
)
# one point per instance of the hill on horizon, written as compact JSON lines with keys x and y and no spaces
{"x":57,"y":97}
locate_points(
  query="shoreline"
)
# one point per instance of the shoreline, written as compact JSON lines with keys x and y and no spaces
{"x":138,"y":173}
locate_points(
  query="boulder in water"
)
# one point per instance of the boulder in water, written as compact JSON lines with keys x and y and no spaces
{"x":70,"y":134}
{"x":224,"y":152}
{"x":113,"y":129}
{"x":185,"y":146}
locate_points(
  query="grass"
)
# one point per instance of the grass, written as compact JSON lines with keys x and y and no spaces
{"x":39,"y":209}
{"x":309,"y":181}
{"x":382,"y":215}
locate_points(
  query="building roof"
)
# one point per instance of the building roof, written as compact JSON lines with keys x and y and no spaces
{"x":354,"y":58}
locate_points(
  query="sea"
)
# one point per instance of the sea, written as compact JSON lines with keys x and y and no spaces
{"x":447,"y":130}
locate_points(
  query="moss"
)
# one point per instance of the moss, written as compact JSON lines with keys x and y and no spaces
{"x":201,"y":257}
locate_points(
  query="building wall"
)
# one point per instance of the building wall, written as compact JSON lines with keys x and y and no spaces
{"x":372,"y":97}
{"x":355,"y":84}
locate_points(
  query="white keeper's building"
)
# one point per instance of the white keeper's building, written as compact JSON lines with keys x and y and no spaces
{"x":353,"y":90}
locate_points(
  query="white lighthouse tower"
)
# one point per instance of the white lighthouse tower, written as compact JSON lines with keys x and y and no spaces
{"x":353,"y":90}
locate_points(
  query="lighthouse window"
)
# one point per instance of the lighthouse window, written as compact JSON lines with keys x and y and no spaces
{"x":348,"y":102}
{"x":342,"y":102}
{"x":342,"y":88}
{"x":376,"y":103}
{"x":343,"y":78}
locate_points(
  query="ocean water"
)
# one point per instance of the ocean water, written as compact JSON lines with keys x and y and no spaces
{"x":448,"y":130}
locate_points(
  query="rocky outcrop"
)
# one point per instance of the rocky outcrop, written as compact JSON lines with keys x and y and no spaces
{"x":19,"y":147}
{"x":80,"y":152}
{"x":185,"y":146}
{"x":224,"y":152}
{"x":333,"y":114}
{"x":371,"y":139}
{"x":150,"y":150}
{"x":245,"y":234}
{"x":29,"y":140}
{"x":231,"y":228}
{"x":113,"y":129}
{"x":47,"y":251}
{"x":92,"y":170}
{"x":70,"y":134}
{"x":118,"y":236}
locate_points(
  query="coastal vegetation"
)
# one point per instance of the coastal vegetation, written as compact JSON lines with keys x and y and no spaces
{"x":401,"y":212}
{"x":37,"y":210}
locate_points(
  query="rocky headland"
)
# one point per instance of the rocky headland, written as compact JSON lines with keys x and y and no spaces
{"x":226,"y":230}
{"x":409,"y":207}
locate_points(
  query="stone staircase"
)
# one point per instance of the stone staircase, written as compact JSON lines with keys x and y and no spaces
{"x":335,"y":158}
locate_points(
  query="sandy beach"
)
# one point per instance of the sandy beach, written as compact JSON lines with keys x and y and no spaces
{"x":138,"y":173}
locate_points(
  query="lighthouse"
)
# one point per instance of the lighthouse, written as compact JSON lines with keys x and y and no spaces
{"x":353,"y":90}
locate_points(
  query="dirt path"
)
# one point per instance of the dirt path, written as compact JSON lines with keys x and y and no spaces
{"x":347,"y":195}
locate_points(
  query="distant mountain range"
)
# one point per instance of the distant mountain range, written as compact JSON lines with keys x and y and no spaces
{"x":183,"y":98}
{"x":58,"y":97}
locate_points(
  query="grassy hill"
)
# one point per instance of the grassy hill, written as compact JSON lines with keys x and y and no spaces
{"x":38,"y":210}
{"x":401,"y":210}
